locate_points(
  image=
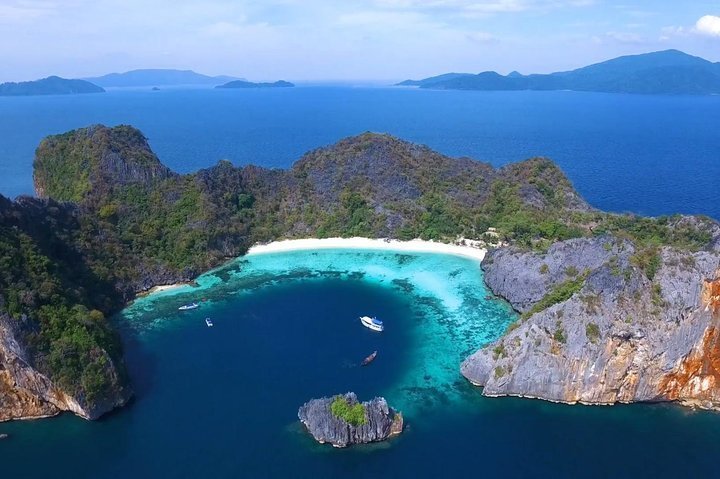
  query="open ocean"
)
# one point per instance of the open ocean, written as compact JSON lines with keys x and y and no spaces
{"x":647,"y":154}
{"x":222,"y":401}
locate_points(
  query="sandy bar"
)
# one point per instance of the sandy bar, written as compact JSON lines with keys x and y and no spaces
{"x":414,"y":246}
{"x":161,"y":288}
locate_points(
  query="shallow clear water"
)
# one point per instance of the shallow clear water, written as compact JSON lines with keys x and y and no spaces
{"x":222,"y":401}
{"x":648,"y":154}
{"x":444,"y":311}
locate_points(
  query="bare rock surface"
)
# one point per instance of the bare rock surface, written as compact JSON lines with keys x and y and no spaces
{"x":381,"y":422}
{"x":622,"y":337}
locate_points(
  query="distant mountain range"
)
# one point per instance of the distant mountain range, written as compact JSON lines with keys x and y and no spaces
{"x":48,"y":86}
{"x":159,"y":77}
{"x":248,"y":84}
{"x":665,"y":72}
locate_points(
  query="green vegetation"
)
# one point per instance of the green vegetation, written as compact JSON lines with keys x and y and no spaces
{"x":499,"y":372}
{"x":72,"y":341}
{"x":73,"y":344}
{"x":592,"y":302}
{"x":353,"y":414}
{"x":414,"y":193}
{"x":559,"y":334}
{"x":592,"y":332}
{"x":499,"y":351}
{"x":648,"y":260}
{"x":661,"y":231}
{"x":571,"y":271}
{"x":657,"y":300}
{"x":354,"y":217}
{"x":179,"y":221}
{"x":68,"y":166}
{"x":561,"y":292}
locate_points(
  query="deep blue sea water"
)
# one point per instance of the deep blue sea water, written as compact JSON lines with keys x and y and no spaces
{"x":222,"y":402}
{"x":648,"y":154}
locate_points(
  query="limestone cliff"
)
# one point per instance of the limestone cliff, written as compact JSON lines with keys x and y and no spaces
{"x":600,"y":326}
{"x":25,"y":392}
{"x":380,"y":421}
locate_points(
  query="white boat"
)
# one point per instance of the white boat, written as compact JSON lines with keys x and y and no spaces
{"x":372,"y":323}
{"x":209,"y":322}
{"x":186,"y":307}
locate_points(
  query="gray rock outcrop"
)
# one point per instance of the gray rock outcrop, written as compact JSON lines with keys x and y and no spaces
{"x":620,"y":337}
{"x":381,"y":422}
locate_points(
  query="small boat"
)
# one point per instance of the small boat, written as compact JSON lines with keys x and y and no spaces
{"x":372,"y":323}
{"x":187,"y":307}
{"x":209,"y":322}
{"x":369,"y":359}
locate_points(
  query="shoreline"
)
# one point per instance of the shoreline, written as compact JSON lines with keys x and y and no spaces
{"x":161,"y":288}
{"x":471,"y":250}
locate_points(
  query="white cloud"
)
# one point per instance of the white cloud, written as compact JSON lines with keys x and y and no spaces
{"x":381,"y":19}
{"x":481,"y":37}
{"x":708,"y":25}
{"x":23,"y":11}
{"x":473,"y":8}
{"x":626,"y":37}
{"x":672,"y":32}
{"x":312,"y":39}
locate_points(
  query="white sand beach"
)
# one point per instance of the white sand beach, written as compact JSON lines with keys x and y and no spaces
{"x":471,"y":249}
{"x":161,"y":288}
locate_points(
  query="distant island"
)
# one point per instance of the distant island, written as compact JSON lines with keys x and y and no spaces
{"x":52,"y":85}
{"x":669,"y":72}
{"x":248,"y":84}
{"x":155,"y":77}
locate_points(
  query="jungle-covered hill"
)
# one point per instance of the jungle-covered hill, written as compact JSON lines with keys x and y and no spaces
{"x":111,"y":221}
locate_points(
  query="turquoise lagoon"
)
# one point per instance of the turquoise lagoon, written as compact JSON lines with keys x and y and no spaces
{"x":439,"y":313}
{"x":222,"y":401}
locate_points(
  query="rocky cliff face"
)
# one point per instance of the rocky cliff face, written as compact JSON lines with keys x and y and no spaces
{"x":45,"y":278}
{"x":26,"y":393}
{"x":615,"y":335}
{"x":382,"y":422}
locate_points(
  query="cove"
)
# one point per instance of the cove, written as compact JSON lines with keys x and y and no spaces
{"x":225,"y":399}
{"x":222,"y":401}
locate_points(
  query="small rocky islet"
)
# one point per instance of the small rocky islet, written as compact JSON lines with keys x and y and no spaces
{"x":343,"y":420}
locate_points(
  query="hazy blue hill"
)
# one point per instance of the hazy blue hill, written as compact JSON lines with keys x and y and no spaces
{"x":48,"y":86}
{"x":635,"y":63}
{"x":665,"y":72}
{"x":435,"y":79}
{"x":248,"y":84}
{"x":155,"y":77}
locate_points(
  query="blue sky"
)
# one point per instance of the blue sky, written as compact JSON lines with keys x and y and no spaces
{"x":305,"y":40}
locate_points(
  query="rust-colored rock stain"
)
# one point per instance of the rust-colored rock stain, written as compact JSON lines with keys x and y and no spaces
{"x":711,"y":295}
{"x":698,"y":376}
